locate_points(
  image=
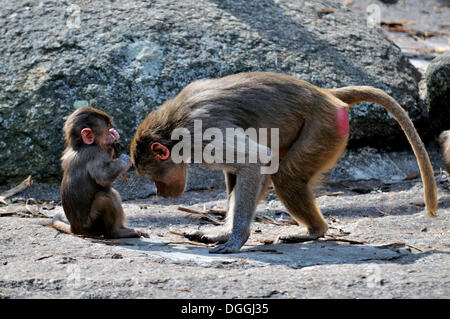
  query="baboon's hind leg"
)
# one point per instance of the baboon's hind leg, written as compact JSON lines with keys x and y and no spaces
{"x":301,"y":205}
{"x":316,"y":150}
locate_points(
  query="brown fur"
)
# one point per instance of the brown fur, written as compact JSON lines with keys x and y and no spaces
{"x":444,"y":140}
{"x":355,"y":94}
{"x":90,"y":204}
{"x":309,"y":142}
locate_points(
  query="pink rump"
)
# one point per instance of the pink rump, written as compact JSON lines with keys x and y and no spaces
{"x":342,"y":122}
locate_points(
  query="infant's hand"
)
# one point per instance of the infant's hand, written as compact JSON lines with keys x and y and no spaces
{"x":126,"y":160}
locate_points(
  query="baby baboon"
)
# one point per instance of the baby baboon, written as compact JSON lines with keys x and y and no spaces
{"x":91,"y":205}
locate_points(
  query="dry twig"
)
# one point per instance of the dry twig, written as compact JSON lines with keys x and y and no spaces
{"x":269,"y":220}
{"x":176,"y":233}
{"x":44,"y":257}
{"x":6,"y":213}
{"x":189,"y":242}
{"x":206,"y":214}
{"x":34,"y":212}
{"x":23,"y":212}
{"x":345,"y":240}
{"x":25,"y":183}
{"x":415,"y":248}
{"x":212,"y":220}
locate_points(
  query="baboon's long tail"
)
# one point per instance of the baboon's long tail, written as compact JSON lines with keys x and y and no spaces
{"x":355,"y":94}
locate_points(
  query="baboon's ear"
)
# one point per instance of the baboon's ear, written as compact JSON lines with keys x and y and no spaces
{"x":160,"y":151}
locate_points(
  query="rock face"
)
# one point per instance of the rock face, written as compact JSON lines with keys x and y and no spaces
{"x":127,"y":57}
{"x":438,"y":91}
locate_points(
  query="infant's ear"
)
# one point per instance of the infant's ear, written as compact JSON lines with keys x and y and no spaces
{"x":88,"y":136}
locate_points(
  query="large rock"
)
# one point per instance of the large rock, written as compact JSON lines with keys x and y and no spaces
{"x":438,"y":91}
{"x":127,"y":57}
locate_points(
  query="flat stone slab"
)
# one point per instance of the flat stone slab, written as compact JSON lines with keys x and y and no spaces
{"x":290,"y":255}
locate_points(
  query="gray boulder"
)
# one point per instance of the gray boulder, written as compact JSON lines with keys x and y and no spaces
{"x":438,"y":91}
{"x":127,"y":57}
